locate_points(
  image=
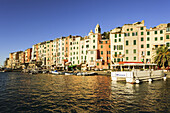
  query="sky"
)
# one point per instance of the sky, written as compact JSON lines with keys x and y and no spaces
{"x":24,"y":23}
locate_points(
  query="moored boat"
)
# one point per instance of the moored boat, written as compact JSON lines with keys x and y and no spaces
{"x":56,"y":72}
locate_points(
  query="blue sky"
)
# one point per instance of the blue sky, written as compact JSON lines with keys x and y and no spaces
{"x":24,"y":23}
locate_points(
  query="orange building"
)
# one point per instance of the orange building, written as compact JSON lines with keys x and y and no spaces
{"x":67,"y":44}
{"x":104,"y":54}
{"x":28,"y":55}
{"x":21,"y":57}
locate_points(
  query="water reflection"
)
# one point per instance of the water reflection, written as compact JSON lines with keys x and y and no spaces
{"x":49,"y":93}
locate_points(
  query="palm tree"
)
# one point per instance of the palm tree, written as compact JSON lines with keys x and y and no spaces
{"x":162,"y":56}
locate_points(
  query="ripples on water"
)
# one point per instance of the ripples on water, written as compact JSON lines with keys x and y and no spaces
{"x":48,"y":93}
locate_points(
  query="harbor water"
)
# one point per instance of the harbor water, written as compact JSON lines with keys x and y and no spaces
{"x":20,"y":92}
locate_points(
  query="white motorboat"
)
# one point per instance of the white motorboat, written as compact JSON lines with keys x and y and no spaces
{"x":56,"y":72}
{"x":69,"y":73}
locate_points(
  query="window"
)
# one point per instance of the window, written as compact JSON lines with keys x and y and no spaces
{"x":155,"y":32}
{"x":136,"y":33}
{"x":161,"y":38}
{"x":134,"y":51}
{"x":156,"y":38}
{"x":133,"y":34}
{"x":121,"y":47}
{"x":115,"y":47}
{"x":127,"y":58}
{"x":119,"y":35}
{"x":128,"y":34}
{"x":127,"y":42}
{"x":82,"y":46}
{"x":92,"y":52}
{"x":120,"y":53}
{"x":101,"y":46}
{"x":134,"y":42}
{"x":141,"y":33}
{"x":97,"y":64}
{"x":109,"y":46}
{"x":148,"y":53}
{"x":125,"y":34}
{"x":126,"y":51}
{"x":142,"y":39}
{"x":127,"y":29}
{"x":82,"y":52}
{"x":119,"y":39}
{"x":131,"y":29}
{"x":156,"y":46}
{"x":142,"y":46}
{"x":87,"y":46}
{"x":114,"y":59}
{"x":93,"y":41}
{"x":134,"y":58}
{"x":93,"y":47}
{"x":93,"y":35}
{"x":148,"y":33}
{"x":148,"y":38}
{"x":115,"y":40}
{"x":147,"y":45}
{"x":115,"y":54}
{"x":161,"y":31}
{"x":106,"y":42}
{"x":118,"y":60}
{"x":141,"y":28}
{"x":167,"y":36}
{"x":101,"y":52}
{"x":115,"y":35}
{"x":102,"y":62}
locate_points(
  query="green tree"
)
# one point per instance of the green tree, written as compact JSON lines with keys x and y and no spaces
{"x":162,"y":56}
{"x":106,"y":35}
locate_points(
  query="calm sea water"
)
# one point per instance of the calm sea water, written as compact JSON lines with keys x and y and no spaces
{"x":48,"y":93}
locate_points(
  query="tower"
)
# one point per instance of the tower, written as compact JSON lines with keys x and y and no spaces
{"x":97,"y":29}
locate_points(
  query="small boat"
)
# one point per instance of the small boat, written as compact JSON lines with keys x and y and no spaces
{"x":82,"y":73}
{"x":86,"y":74}
{"x":69,"y":73}
{"x":92,"y":73}
{"x":56,"y":72}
